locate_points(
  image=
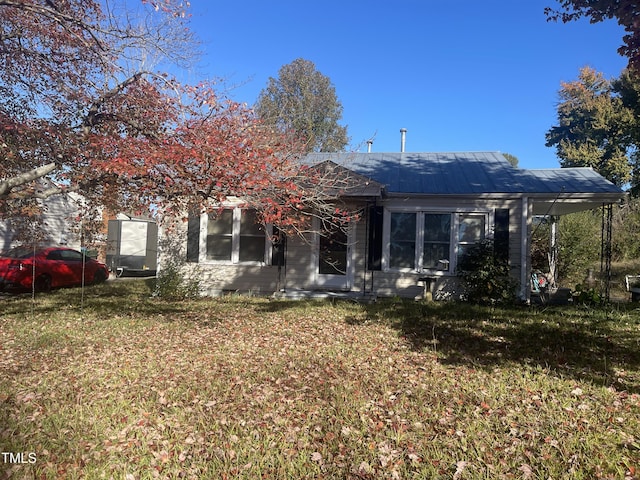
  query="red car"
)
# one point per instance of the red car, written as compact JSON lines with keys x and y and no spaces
{"x":51,"y":267}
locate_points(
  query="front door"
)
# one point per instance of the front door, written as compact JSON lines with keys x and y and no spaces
{"x":333,"y":263}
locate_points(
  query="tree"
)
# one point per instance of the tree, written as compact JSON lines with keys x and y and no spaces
{"x":512,"y":159}
{"x":593,"y":126}
{"x":624,"y":11}
{"x":627,"y":87}
{"x":303,"y":102}
{"x":72,"y":70}
{"x":84,"y":107}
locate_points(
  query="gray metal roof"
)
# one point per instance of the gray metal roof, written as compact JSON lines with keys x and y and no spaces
{"x":555,"y":191}
{"x":465,"y":173}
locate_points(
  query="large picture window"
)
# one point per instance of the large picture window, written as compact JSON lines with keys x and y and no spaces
{"x":233,"y":235}
{"x":430,"y":241}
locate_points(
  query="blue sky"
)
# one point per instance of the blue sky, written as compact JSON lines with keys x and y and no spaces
{"x":463,"y":75}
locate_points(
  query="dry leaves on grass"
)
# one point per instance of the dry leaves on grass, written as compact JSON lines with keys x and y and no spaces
{"x":294,"y":391}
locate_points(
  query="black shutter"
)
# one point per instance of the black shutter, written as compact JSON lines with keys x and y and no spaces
{"x":278,"y":248}
{"x":501,"y":235}
{"x":193,"y":237}
{"x":374,"y":257}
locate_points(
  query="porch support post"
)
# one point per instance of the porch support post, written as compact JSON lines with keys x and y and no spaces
{"x":553,"y":251}
{"x":605,"y":251}
{"x":525,"y":288}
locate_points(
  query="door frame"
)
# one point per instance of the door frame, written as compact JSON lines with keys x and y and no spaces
{"x":330,"y":281}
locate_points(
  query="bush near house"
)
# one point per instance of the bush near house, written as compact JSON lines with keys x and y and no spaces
{"x":135,"y":387}
{"x":485,"y":278}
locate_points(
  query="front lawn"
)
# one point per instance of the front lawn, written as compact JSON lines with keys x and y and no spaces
{"x":130,"y":387}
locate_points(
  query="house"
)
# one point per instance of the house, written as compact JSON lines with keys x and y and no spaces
{"x":420,"y":211}
{"x":56,"y":225}
{"x":66,"y":220}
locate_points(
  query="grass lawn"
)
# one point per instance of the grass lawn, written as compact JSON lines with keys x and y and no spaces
{"x":131,"y":387}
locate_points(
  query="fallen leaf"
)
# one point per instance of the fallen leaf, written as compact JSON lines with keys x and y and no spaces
{"x":526,"y":471}
{"x":460,"y":466}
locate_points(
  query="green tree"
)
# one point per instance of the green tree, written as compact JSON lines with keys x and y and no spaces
{"x":512,"y":159}
{"x":625,"y":12}
{"x":302,"y":102}
{"x":593,"y":127}
{"x":628,"y":88}
{"x":579,"y":243}
{"x":626,"y":230}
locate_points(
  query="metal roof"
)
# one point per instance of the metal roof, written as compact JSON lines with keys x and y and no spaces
{"x":555,"y":191}
{"x":465,"y":173}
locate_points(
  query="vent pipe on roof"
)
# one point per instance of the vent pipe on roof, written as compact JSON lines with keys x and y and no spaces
{"x":403,"y":137}
{"x":369,"y":143}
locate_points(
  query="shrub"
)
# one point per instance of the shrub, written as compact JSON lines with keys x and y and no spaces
{"x":587,"y":296}
{"x":485,"y":278}
{"x":173,"y":284}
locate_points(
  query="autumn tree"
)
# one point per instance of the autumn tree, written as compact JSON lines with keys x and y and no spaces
{"x":85,"y":106}
{"x":625,"y":12}
{"x":593,"y":127}
{"x":302,"y":102}
{"x":74,"y":71}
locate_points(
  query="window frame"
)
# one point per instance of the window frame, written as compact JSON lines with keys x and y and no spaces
{"x":454,"y":244}
{"x":460,"y":243}
{"x":225,"y":235}
{"x":236,"y":235}
{"x":420,"y":266}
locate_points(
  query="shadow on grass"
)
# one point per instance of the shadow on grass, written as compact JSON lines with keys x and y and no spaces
{"x":114,"y":297}
{"x":597,"y":345}
{"x":600,"y":345}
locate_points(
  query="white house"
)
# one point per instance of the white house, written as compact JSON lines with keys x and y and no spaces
{"x":57,"y":225}
{"x":420,"y":211}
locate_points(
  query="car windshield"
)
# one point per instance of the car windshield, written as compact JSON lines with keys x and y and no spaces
{"x":18,"y":252}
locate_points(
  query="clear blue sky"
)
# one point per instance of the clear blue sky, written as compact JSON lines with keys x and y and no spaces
{"x":464,"y":75}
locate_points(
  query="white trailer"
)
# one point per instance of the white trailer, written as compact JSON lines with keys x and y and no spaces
{"x":132,"y":247}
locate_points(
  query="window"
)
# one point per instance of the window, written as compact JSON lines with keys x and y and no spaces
{"x":470,"y":232}
{"x":70,"y":256}
{"x":402,"y":253}
{"x":251,"y":238}
{"x":220,"y":236}
{"x":437,"y":240}
{"x":65,"y":255}
{"x":420,"y":241}
{"x":233,"y":235}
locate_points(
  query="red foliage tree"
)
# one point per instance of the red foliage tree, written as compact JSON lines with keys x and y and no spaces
{"x":65,"y":67}
{"x":81,"y":106}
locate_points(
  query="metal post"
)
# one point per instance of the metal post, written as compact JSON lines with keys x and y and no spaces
{"x":605,"y":251}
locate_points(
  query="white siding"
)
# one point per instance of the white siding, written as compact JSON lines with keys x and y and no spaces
{"x":58,"y":225}
{"x":300,"y":270}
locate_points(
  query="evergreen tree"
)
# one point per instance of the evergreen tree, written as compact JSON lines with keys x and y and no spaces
{"x":302,"y":102}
